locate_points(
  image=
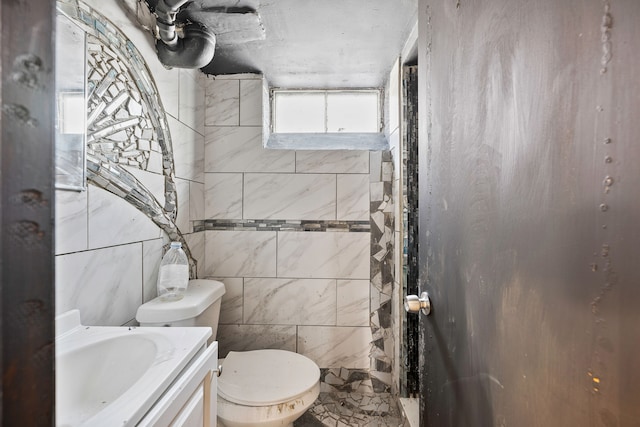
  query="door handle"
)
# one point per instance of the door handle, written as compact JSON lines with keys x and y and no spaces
{"x":414,"y":304}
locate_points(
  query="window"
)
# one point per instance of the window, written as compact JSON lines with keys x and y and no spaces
{"x":329,"y":111}
{"x":349,"y":119}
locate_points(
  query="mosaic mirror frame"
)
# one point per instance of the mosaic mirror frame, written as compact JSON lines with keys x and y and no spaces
{"x":126,"y":125}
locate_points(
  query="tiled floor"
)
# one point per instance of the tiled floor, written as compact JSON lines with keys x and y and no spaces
{"x":352,"y":410}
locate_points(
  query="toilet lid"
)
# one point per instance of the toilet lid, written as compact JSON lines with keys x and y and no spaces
{"x":266,"y":377}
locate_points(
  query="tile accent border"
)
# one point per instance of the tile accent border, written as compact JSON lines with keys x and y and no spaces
{"x":282,"y":225}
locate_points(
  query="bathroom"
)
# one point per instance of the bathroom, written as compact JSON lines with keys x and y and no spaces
{"x":356,"y":339}
{"x":303,"y":240}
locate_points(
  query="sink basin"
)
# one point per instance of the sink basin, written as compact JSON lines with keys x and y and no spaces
{"x":111,"y":376}
{"x":93,"y":376}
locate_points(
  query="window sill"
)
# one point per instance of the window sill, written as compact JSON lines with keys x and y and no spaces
{"x":327,"y":141}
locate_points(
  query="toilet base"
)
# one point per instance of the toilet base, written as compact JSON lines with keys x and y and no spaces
{"x":221,"y":424}
{"x":281,"y":415}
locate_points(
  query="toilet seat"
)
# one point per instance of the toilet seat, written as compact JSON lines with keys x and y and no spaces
{"x":266,"y":377}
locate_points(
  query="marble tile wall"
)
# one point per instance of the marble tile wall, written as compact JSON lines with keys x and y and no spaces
{"x":277,"y":196}
{"x":107,"y":251}
{"x":287,"y":232}
{"x":302,"y":239}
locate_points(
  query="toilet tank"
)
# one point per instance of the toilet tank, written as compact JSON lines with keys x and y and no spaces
{"x":200,"y":306}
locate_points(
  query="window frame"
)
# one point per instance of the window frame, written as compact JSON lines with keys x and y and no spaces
{"x":379,"y":108}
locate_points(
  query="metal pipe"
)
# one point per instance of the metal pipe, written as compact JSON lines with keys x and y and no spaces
{"x":194,"y":50}
{"x":165,"y":19}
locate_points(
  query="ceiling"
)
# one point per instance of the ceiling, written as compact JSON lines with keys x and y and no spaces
{"x":307,"y":43}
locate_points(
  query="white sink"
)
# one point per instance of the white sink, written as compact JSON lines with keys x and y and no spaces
{"x":111,"y":376}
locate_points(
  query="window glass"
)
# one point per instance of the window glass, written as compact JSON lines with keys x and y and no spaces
{"x":326,"y":111}
{"x":352,"y":112}
{"x":299,"y":112}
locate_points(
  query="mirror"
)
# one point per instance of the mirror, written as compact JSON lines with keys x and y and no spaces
{"x":71,"y":105}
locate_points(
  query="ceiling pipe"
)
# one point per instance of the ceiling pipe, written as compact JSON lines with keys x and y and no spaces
{"x":194,"y":50}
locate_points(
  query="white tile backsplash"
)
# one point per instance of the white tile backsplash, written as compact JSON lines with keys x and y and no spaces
{"x":114,"y":221}
{"x":395,"y":145}
{"x":328,"y":161}
{"x":196,"y":201}
{"x":324,"y":255}
{"x":168,"y":85}
{"x":192,"y":100}
{"x":290,"y":301}
{"x":375,"y":165}
{"x":289,"y":196}
{"x":394,"y":87}
{"x":232,"y":300}
{"x":250,"y":102}
{"x":353,"y":303}
{"x":196,"y":246}
{"x":223,"y":195}
{"x":71,"y":221}
{"x":151,"y":257}
{"x":222,"y":102}
{"x":154,"y":182}
{"x":240,"y":253}
{"x":255,"y":337}
{"x":188,"y":151}
{"x":182,"y":220}
{"x":105,"y":285}
{"x":239,"y":149}
{"x":353,"y":197}
{"x":335,"y":347}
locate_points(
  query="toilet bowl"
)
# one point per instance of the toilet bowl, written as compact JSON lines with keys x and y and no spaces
{"x":261,"y":388}
{"x":266,"y":388}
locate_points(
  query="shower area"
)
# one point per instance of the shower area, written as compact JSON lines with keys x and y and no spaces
{"x":394,"y":355}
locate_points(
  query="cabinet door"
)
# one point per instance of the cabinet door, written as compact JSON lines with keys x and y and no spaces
{"x":192,"y":414}
{"x":196,"y":378}
{"x":210,"y":386}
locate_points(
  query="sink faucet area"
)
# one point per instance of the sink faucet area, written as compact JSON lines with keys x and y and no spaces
{"x":117,"y":376}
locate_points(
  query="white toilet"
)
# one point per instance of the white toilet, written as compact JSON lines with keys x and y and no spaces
{"x":265,"y":388}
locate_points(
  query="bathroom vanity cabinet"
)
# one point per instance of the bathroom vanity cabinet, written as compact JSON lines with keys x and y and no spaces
{"x":191,"y":400}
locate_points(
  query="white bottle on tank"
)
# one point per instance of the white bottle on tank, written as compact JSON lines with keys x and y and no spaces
{"x":173,"y":276}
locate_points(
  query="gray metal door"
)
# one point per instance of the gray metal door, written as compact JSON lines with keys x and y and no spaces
{"x":27,"y":130}
{"x":530,"y":212}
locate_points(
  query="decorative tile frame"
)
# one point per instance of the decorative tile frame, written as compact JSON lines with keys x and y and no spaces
{"x":382,"y":276}
{"x":126,"y":124}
